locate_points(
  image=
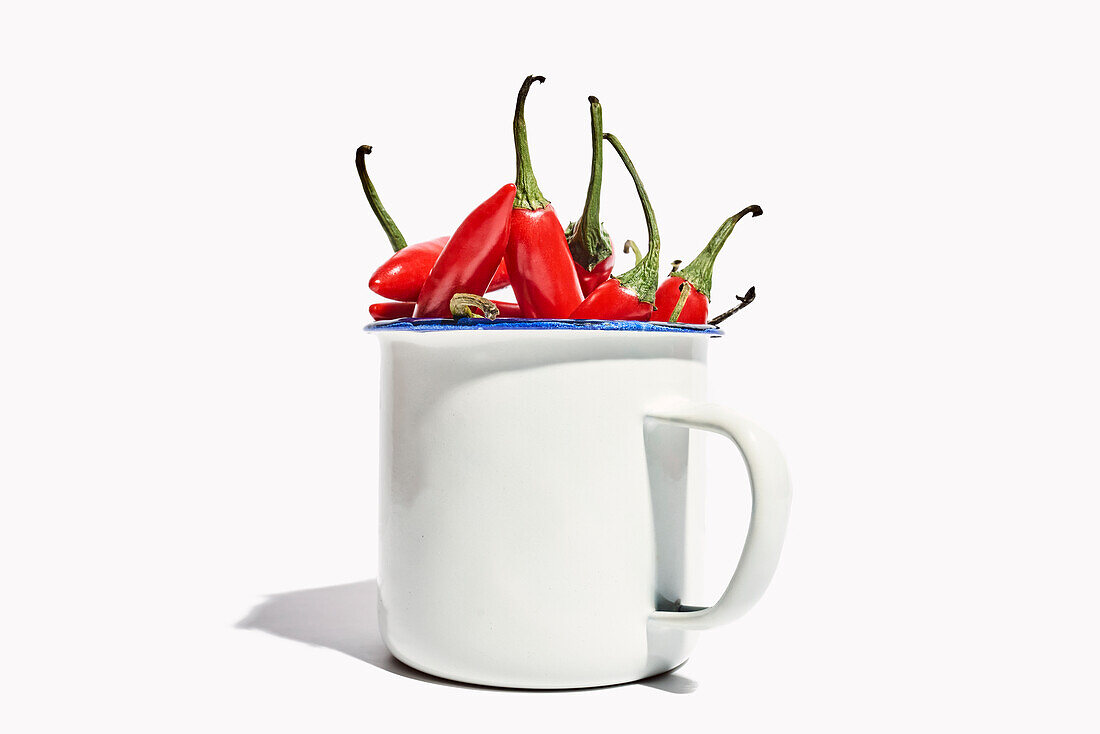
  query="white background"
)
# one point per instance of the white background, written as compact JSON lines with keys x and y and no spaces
{"x":189,"y":407}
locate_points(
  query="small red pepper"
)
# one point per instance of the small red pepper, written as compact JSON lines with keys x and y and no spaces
{"x":539,"y":264}
{"x":684,"y":297}
{"x":401,"y":309}
{"x":628,"y":297}
{"x":402,"y":276}
{"x":470,"y":258}
{"x":589,"y":244}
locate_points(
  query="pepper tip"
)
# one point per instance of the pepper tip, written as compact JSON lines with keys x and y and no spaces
{"x":593,"y":100}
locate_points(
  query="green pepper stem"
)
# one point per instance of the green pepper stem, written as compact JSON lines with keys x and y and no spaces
{"x":397,"y":241}
{"x":700,"y":271}
{"x":642,"y":279}
{"x":685,"y":291}
{"x":588,"y":243}
{"x":629,"y":246}
{"x":528,"y":195}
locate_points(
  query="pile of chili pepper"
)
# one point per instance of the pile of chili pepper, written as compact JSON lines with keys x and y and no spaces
{"x":514,"y":238}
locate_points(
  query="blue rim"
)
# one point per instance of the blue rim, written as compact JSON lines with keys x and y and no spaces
{"x":411,"y":324}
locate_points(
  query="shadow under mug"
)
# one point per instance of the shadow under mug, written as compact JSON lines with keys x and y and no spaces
{"x":541,"y":499}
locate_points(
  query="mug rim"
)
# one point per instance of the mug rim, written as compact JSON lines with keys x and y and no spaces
{"x":410,"y":324}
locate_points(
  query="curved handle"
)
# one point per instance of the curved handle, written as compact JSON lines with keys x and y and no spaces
{"x":771,"y":505}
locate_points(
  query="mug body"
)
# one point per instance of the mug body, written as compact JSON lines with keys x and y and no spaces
{"x":531,"y":518}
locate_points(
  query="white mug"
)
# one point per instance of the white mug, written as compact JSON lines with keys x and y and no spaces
{"x":541,"y":500}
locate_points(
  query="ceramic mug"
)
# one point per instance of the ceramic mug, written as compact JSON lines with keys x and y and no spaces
{"x":541,"y":500}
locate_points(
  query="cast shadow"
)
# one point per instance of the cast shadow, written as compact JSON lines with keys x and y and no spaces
{"x":345,"y":618}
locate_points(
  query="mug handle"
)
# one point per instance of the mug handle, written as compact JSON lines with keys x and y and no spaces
{"x":771,"y":506}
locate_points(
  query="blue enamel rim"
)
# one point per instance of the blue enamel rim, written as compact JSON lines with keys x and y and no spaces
{"x":411,"y":324}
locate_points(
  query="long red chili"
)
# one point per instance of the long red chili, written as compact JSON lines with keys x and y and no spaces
{"x":401,"y":309}
{"x":684,"y":296}
{"x":589,"y":244}
{"x":470,"y":258}
{"x":628,"y":297}
{"x":402,"y":276}
{"x":539,"y":264}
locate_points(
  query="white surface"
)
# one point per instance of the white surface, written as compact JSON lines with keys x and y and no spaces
{"x":530,"y":529}
{"x":770,"y":512}
{"x":522,"y":517}
{"x":189,"y":410}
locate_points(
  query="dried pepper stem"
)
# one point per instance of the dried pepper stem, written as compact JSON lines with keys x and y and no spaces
{"x":749,"y":297}
{"x":466,"y":305}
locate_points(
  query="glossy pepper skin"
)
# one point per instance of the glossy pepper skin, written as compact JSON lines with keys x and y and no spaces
{"x":402,"y":309}
{"x":600,"y":272}
{"x":628,"y":297}
{"x":402,"y":276}
{"x":589,"y":244}
{"x":695,"y":278}
{"x":470,"y":257}
{"x":539,"y":265}
{"x":694,"y":310}
{"x":615,"y":302}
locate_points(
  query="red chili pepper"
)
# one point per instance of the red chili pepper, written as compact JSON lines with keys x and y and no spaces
{"x":402,"y":276}
{"x":628,"y":297}
{"x":589,"y":244}
{"x":685,"y":295}
{"x":470,"y":258}
{"x":539,"y":264}
{"x":401,"y":309}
